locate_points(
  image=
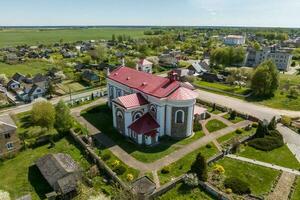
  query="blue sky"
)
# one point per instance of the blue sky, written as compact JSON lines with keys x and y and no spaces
{"x":279,"y":13}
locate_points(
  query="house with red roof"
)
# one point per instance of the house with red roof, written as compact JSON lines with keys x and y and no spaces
{"x":147,"y":107}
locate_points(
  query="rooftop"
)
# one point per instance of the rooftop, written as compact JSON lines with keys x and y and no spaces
{"x":131,"y":101}
{"x":144,"y":124}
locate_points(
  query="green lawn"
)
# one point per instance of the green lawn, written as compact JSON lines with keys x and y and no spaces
{"x":20,"y":177}
{"x":183,"y":192}
{"x":281,"y":156}
{"x":195,"y":137}
{"x":222,"y":87}
{"x":66,"y":86}
{"x":215,"y":125}
{"x":31,"y":67}
{"x":260,"y":179}
{"x":183,"y":165}
{"x":228,"y":137}
{"x":101,"y":117}
{"x":296,"y":193}
{"x":236,"y":120}
{"x":12,"y":37}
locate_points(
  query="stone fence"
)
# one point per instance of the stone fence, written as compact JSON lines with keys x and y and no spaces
{"x":95,"y":158}
{"x":225,"y":109}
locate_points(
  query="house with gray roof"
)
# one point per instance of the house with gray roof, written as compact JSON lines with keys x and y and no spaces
{"x":61,"y":172}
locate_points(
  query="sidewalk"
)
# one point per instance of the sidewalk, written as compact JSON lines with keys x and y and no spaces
{"x":264,"y":164}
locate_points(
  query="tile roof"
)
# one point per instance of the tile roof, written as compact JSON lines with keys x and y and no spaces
{"x":183,"y":93}
{"x":7,"y":124}
{"x":144,"y":124}
{"x":131,"y":100}
{"x":153,"y":85}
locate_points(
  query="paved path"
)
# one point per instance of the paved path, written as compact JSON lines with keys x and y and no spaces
{"x":264,"y":164}
{"x":156,"y":179}
{"x":259,"y":111}
{"x":291,"y":138}
{"x":283,"y":187}
{"x":158,"y":164}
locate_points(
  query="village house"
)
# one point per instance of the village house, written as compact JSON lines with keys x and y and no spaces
{"x":9,"y":141}
{"x":234,"y":40}
{"x":61,"y":172}
{"x":90,"y":76}
{"x":146,"y":107}
{"x":144,"y":65}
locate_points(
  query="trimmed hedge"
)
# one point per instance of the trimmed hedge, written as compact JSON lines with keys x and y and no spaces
{"x":120,"y":170}
{"x":267,"y":143}
{"x":237,"y":186}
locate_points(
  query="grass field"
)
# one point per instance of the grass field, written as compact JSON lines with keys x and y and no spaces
{"x":260,"y":179}
{"x":20,"y":177}
{"x":236,"y":120}
{"x":66,"y":86}
{"x":183,"y":192}
{"x":183,"y":165}
{"x":296,"y":193}
{"x":12,"y":37}
{"x":215,"y":125}
{"x":31,"y":67}
{"x":101,"y":117}
{"x":281,"y":156}
{"x":228,"y":137}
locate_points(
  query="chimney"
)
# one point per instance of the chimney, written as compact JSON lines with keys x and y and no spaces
{"x":173,"y":76}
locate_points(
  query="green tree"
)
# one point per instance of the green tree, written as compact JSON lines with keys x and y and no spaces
{"x":272,"y":124}
{"x":50,"y":89}
{"x":63,"y":119}
{"x":43,"y":114}
{"x":265,"y":80}
{"x":99,"y":53}
{"x":199,"y":167}
{"x":262,"y":130}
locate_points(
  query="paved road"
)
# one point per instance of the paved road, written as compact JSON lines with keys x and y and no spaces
{"x":262,"y":112}
{"x":264,"y":164}
{"x":291,"y":138}
{"x":27,"y":107}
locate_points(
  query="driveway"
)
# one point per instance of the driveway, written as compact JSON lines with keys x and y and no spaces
{"x":262,"y":112}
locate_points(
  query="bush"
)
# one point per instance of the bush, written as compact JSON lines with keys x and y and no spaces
{"x":255,"y":125}
{"x":237,"y":186}
{"x":129,"y":177}
{"x":120,"y":170}
{"x":232,"y":115}
{"x":208,"y":146}
{"x":165,"y":170}
{"x":219,"y":169}
{"x":239,"y":131}
{"x":285,"y":120}
{"x":267,"y":143}
{"x":191,"y":180}
{"x":197,"y":126}
{"x":106,"y":157}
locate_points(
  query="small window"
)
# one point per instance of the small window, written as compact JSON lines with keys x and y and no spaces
{"x":137,"y":116}
{"x":10,"y":146}
{"x":6,"y":135}
{"x":119,"y":115}
{"x":179,"y":117}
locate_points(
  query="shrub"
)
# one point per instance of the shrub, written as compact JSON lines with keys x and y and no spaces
{"x":120,"y":169}
{"x":197,"y":126}
{"x":165,"y":170}
{"x":255,"y":125}
{"x":285,"y":120}
{"x":237,"y":186}
{"x":267,"y":143}
{"x":272,"y":124}
{"x":239,"y":131}
{"x":232,"y":115}
{"x":228,"y":191}
{"x":219,"y":169}
{"x":248,"y":128}
{"x":115,"y":163}
{"x":208,"y":146}
{"x":129,"y":177}
{"x":106,"y":157}
{"x":191,"y":180}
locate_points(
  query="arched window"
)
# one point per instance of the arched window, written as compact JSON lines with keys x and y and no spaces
{"x":111,"y":92}
{"x":179,"y":116}
{"x":137,"y":116}
{"x":119,"y":115}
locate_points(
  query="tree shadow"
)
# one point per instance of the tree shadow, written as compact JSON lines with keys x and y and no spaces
{"x":253,"y":98}
{"x":38,"y":182}
{"x":26,"y":121}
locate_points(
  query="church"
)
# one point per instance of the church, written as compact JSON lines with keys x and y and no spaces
{"x":147,"y":107}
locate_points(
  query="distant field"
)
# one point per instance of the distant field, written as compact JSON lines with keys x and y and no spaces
{"x":29,"y":67}
{"x":13,"y":37}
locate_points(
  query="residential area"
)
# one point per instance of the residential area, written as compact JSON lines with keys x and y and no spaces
{"x":149,"y":112}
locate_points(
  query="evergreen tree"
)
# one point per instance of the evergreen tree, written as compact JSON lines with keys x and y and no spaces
{"x":199,"y":167}
{"x":272,"y":124}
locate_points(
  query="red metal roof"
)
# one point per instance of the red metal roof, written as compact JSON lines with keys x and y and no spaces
{"x":131,"y":100}
{"x":144,"y":124}
{"x":153,"y":85}
{"x":151,"y":133}
{"x":183,"y":93}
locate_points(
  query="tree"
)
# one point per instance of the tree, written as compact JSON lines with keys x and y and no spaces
{"x":262,"y":129}
{"x":43,"y":114}
{"x":99,"y":53}
{"x":272,"y":124}
{"x":265,"y":80}
{"x":199,"y":167}
{"x":63,"y":119}
{"x":50,"y":89}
